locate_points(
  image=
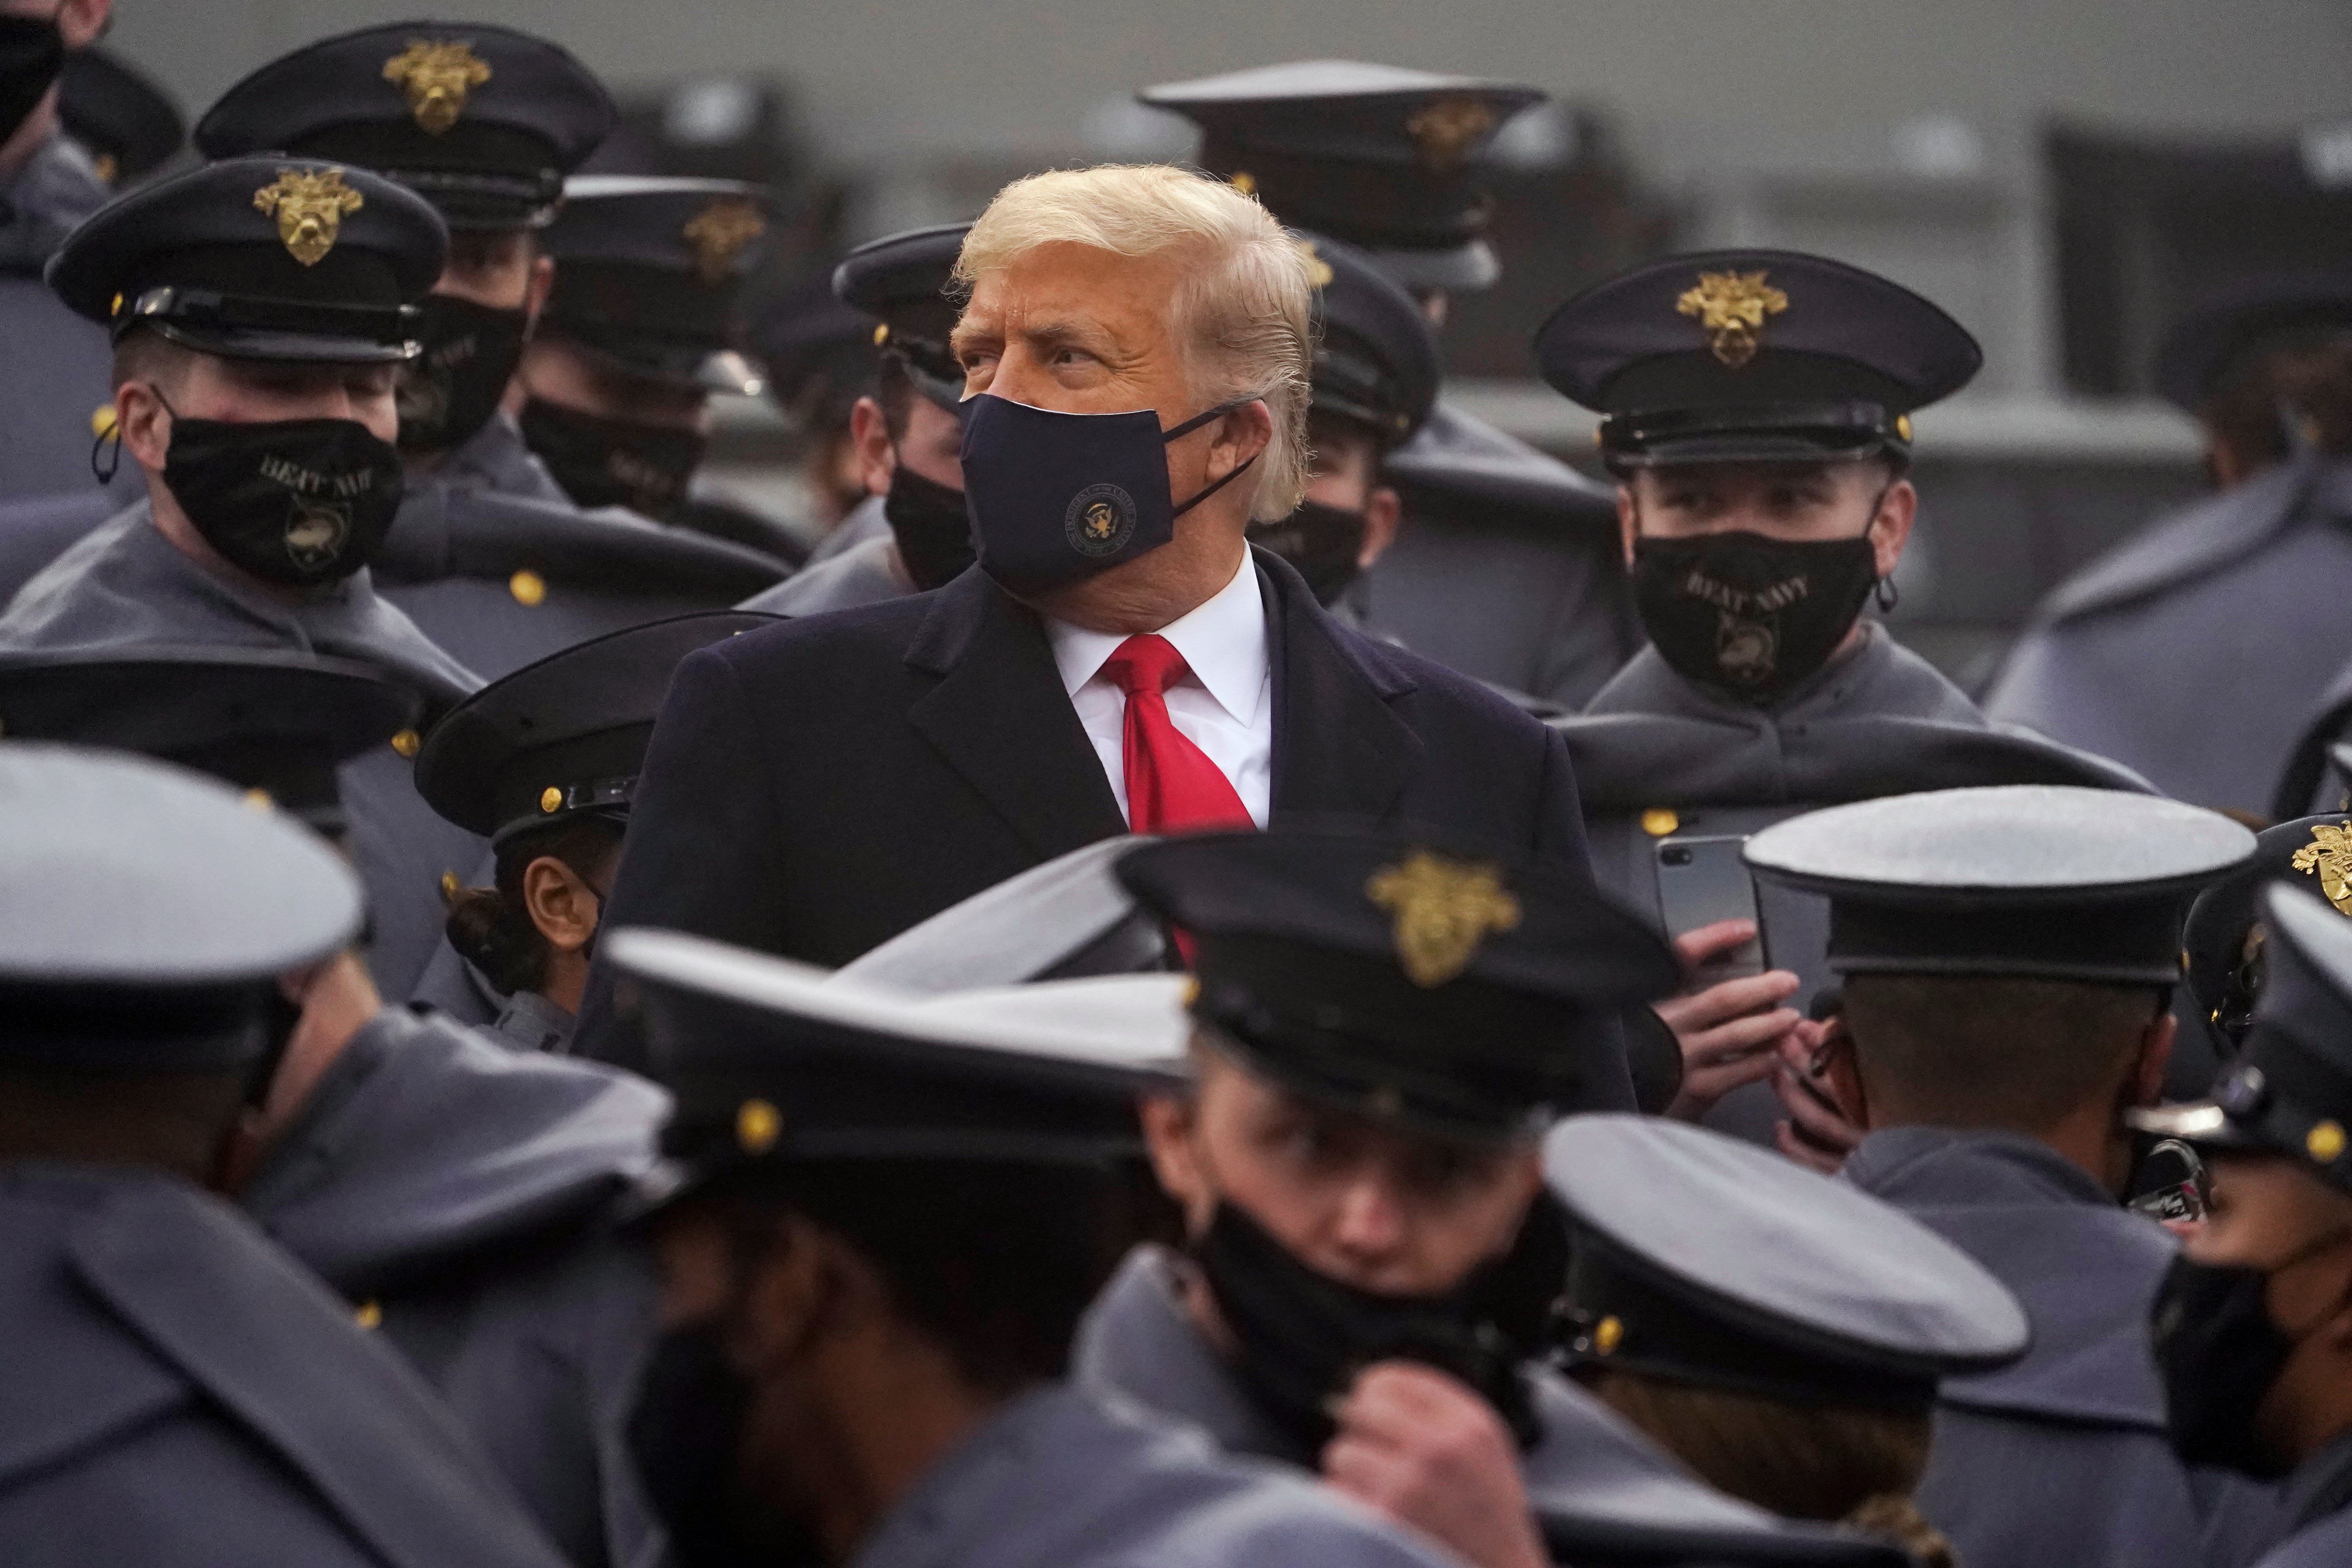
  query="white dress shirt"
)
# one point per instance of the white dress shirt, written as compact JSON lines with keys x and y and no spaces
{"x":1225,"y":706}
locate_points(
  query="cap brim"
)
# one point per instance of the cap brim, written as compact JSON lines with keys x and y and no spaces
{"x":234,"y":342}
{"x":2201,"y":1124}
{"x":1758,"y":446}
{"x":1465,"y":269}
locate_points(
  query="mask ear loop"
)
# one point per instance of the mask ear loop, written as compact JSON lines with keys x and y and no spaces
{"x":1193,"y":424}
{"x":1883,"y":591}
{"x":109,"y":441}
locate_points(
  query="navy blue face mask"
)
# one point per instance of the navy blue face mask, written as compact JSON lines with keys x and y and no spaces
{"x":1058,"y":496}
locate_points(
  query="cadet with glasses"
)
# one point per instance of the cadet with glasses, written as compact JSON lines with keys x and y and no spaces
{"x":2252,"y":1327}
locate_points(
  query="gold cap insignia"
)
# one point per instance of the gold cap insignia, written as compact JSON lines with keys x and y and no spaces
{"x":1443,"y":132}
{"x":2324,"y":1142}
{"x":368,"y":1314}
{"x":450,"y":887}
{"x":310,"y":208}
{"x":1318,"y":272}
{"x":718,"y":233}
{"x":1731,"y":307}
{"x":436,"y":78}
{"x":1657,"y":821}
{"x":758,"y":1125}
{"x":1607,"y":1335}
{"x":2329,"y":855}
{"x":528,"y":588}
{"x":1444,"y":909}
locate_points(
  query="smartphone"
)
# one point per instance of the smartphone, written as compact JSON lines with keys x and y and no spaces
{"x":1702,"y":881}
{"x":2170,"y":1183}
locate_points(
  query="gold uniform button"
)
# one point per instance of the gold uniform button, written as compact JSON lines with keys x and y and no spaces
{"x":758,"y":1125}
{"x":2324,"y":1142}
{"x":881,"y":334}
{"x":1903,"y":425}
{"x":408,"y":743}
{"x":102,"y":421}
{"x":1657,"y":821}
{"x":528,"y":588}
{"x":258,"y":799}
{"x":369,"y":1315}
{"x":1607,"y":1335}
{"x":551,"y":799}
{"x":449,"y":886}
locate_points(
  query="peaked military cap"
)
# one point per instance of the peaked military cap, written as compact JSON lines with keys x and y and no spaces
{"x":2051,"y":880}
{"x":482,"y":121}
{"x":649,"y":273}
{"x":819,"y":352}
{"x":2230,"y":328}
{"x":274,"y":720}
{"x":1375,"y":357}
{"x":1401,"y":977}
{"x":565,"y":737}
{"x":2224,"y":938}
{"x":2289,"y":1089}
{"x":150,"y":912}
{"x":1383,"y":157}
{"x":130,"y":125}
{"x":1752,"y":356}
{"x":269,"y":259}
{"x":1701,"y":1259}
{"x":776,"y":1061}
{"x":901,"y":282}
{"x":1459,"y":468}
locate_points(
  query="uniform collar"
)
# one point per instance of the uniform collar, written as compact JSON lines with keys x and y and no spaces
{"x":1222,"y":640}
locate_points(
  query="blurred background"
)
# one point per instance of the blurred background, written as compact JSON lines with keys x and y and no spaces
{"x":2062,"y":176}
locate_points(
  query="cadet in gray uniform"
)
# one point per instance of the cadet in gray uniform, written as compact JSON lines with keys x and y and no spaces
{"x":644,"y":324}
{"x":2006,"y":955}
{"x":1383,"y":1029}
{"x":267,"y":301}
{"x":56,"y":363}
{"x":1757,"y":414}
{"x":819,"y":355}
{"x":2124,"y":657}
{"x":1778,"y":1332}
{"x":486,"y":553}
{"x":1505,"y":568}
{"x":178,"y":1392}
{"x":2225,"y":942}
{"x":851,"y":1232}
{"x":2250,"y":1326}
{"x":907,"y":434}
{"x":542,"y":763}
{"x":459,"y":1200}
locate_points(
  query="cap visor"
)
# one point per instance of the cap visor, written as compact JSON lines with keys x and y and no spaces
{"x":248,"y":344}
{"x":1748,"y":446}
{"x":1465,"y":269}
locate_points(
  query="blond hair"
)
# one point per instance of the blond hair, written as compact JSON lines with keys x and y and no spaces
{"x":1244,"y":312}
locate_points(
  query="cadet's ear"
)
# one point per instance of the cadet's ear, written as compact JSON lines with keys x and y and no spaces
{"x":1168,"y":1124}
{"x":1841,"y":1073}
{"x":561,"y":904}
{"x":144,"y":425}
{"x":1628,"y":520}
{"x":795,"y":1292}
{"x":1891,"y":528}
{"x":80,"y":22}
{"x":2155,"y":1056}
{"x":1382,"y":510}
{"x":869,"y":439}
{"x":542,"y":284}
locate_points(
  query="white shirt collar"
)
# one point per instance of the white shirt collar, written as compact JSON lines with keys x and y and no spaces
{"x":1222,"y":640}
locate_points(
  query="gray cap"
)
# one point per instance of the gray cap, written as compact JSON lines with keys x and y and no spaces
{"x":1702,"y":1259}
{"x":2051,"y":880}
{"x":775,"y":1061}
{"x":148,"y":909}
{"x":1069,"y":917}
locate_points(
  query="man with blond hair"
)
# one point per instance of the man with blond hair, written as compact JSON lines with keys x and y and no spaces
{"x":1134,"y":344}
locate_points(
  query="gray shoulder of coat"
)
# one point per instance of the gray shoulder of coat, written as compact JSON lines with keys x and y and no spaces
{"x":863,"y":522}
{"x":2177,"y":550}
{"x":427,"y":1142}
{"x":861,"y":574}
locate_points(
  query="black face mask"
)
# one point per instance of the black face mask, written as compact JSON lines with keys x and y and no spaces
{"x":614,"y":462}
{"x":1058,"y":496}
{"x":1304,"y":1336}
{"x":1323,"y":541}
{"x":297,"y":501}
{"x":685,"y":1435}
{"x":1747,"y":615}
{"x":449,"y":392}
{"x":32,"y":53}
{"x":931,"y":526}
{"x":2219,"y":1352}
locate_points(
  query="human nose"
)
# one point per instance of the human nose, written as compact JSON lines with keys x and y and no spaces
{"x":1371,"y":1219}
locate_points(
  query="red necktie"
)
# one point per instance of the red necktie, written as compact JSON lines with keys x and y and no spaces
{"x":1171,"y":782}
